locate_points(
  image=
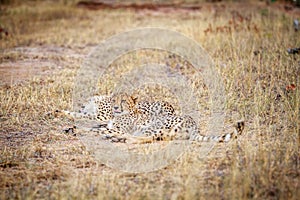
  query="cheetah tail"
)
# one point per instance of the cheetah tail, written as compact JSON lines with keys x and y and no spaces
{"x":238,"y":129}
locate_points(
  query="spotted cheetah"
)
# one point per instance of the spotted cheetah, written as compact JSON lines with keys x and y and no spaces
{"x":143,"y":122}
{"x":97,"y":108}
{"x":117,"y":111}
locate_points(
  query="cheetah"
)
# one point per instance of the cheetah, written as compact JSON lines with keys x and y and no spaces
{"x":143,"y":122}
{"x":97,"y":108}
{"x":116,"y":111}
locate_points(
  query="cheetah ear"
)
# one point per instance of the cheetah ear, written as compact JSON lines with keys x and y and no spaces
{"x":134,"y":99}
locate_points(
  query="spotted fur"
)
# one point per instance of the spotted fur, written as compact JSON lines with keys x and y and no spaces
{"x":142,"y":122}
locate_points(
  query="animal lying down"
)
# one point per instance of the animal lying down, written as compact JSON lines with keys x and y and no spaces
{"x":123,"y":119}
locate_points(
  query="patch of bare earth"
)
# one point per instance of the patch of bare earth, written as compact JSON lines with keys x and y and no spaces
{"x":24,"y":63}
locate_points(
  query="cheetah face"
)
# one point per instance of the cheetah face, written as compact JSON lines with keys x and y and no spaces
{"x":122,"y":104}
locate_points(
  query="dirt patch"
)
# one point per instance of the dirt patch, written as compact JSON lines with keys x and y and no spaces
{"x":18,"y":71}
{"x":24,"y":63}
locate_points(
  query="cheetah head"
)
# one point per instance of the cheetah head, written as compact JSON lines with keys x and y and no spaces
{"x":123,"y":104}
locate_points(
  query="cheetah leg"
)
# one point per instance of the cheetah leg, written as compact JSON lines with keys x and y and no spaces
{"x":157,"y":135}
{"x":139,"y":140}
{"x":114,"y":135}
{"x":120,"y":136}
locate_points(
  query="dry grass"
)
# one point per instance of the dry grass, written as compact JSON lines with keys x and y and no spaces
{"x":38,"y":160}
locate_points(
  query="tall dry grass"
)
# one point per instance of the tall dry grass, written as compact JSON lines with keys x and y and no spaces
{"x":248,"y":43}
